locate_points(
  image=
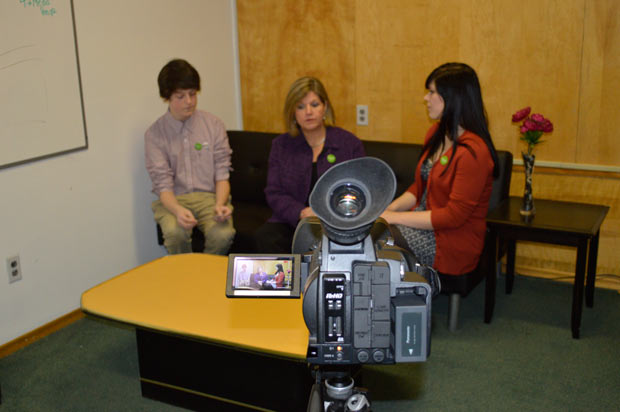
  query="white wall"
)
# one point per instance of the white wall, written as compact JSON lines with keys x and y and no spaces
{"x":79,"y":219}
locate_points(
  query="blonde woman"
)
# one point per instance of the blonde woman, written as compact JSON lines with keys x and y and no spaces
{"x":311,"y":145}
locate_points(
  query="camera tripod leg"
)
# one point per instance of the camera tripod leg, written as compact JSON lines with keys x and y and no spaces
{"x":358,"y":402}
{"x":334,"y":392}
{"x":315,"y":403}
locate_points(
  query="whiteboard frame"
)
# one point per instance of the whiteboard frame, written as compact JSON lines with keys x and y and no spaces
{"x":81,"y":95}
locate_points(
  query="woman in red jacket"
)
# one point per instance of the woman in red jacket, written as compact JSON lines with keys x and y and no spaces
{"x":279,"y":276}
{"x":442,"y":214}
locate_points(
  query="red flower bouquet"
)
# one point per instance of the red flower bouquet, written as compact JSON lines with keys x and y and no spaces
{"x":532,"y":127}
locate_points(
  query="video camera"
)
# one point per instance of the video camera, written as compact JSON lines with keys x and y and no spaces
{"x":365,"y":300}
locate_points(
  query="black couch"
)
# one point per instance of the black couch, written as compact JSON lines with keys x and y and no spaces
{"x":249,"y":177}
{"x":248,"y":180}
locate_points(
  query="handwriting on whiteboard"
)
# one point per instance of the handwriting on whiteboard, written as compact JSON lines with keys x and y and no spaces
{"x":43,"y":5}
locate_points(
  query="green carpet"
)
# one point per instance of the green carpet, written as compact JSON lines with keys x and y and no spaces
{"x":525,"y":360}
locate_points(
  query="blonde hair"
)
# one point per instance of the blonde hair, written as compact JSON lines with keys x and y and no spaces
{"x":299,"y":89}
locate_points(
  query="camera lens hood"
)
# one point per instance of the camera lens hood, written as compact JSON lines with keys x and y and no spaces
{"x":351,"y":195}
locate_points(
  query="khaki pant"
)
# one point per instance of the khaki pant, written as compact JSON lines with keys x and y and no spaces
{"x":218,"y":235}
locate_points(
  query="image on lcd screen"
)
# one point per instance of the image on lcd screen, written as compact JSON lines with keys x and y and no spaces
{"x":261,"y":275}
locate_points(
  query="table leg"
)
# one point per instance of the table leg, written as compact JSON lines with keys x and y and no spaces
{"x":591,"y":277}
{"x":510,"y":265}
{"x":580,"y":270}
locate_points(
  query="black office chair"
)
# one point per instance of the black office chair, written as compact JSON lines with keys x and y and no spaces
{"x":458,"y":286}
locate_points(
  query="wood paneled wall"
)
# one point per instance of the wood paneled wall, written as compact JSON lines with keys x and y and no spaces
{"x":562,"y":58}
{"x":280,"y":41}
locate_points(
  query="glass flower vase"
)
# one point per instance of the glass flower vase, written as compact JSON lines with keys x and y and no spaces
{"x":527,"y":207}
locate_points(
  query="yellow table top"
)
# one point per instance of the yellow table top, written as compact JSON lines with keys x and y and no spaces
{"x":186,"y":295}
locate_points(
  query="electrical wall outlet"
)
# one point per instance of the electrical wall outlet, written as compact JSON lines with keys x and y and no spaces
{"x":362,"y":115}
{"x":13,"y":268}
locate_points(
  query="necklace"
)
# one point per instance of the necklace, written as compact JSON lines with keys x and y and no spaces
{"x":441,"y":156}
{"x":317,"y":144}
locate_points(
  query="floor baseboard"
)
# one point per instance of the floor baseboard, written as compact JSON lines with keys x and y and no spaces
{"x":40,"y":332}
{"x":602,"y":281}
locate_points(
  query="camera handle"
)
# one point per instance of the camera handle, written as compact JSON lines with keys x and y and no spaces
{"x":334,"y":391}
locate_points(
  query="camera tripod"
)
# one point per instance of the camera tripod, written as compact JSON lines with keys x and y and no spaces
{"x":334,"y":391}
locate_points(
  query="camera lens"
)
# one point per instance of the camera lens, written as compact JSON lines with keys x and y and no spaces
{"x":348,"y":200}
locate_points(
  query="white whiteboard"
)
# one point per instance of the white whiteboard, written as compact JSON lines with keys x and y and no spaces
{"x":41,"y":105}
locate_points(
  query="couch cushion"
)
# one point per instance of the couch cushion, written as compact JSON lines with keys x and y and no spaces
{"x":402,"y":158}
{"x":249,"y":162}
{"x":247,"y":218}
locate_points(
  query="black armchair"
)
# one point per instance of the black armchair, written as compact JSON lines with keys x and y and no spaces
{"x":460,"y":285}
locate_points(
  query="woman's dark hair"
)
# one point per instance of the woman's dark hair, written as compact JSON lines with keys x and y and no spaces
{"x":458,"y":85}
{"x":279,"y":268}
{"x":177,"y":74}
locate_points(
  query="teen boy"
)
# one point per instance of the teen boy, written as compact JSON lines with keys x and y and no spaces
{"x":188,"y":159}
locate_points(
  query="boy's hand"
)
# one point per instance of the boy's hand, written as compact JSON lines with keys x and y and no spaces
{"x":186,"y":219}
{"x":222,"y":213}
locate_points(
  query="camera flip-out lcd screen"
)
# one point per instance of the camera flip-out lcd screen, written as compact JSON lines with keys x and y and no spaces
{"x":254,"y":275}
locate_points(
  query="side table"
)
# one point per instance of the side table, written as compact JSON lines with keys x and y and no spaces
{"x":555,"y":222}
